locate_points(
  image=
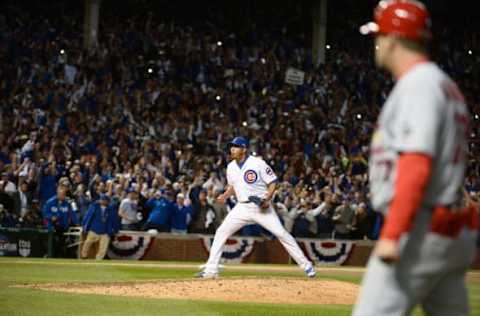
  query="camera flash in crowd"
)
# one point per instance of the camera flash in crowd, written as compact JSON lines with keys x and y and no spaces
{"x":245,"y":123}
{"x":470,"y":52}
{"x":327,"y":46}
{"x":263,"y":60}
{"x":477,"y":116}
{"x":359,"y":116}
{"x":218,"y":98}
{"x":62,"y":51}
{"x":150,"y":70}
{"x":219,"y":43}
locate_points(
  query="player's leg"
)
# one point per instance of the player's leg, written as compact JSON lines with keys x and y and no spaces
{"x":449,"y":295}
{"x":102,"y":246}
{"x":449,"y":298}
{"x":87,"y":244}
{"x":382,"y":292}
{"x":270,"y":221}
{"x":394,"y":289}
{"x":236,"y":219}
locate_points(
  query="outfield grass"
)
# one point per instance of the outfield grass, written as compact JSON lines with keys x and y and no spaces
{"x":23,"y":301}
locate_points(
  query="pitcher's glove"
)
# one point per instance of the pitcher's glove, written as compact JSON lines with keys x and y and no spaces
{"x":261,"y":203}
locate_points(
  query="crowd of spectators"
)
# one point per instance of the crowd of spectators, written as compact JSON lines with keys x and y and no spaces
{"x":144,"y":118}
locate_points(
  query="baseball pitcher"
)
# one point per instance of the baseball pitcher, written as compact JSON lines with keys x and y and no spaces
{"x":253,"y":182}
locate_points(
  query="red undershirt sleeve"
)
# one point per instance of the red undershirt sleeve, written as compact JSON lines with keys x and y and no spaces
{"x":413,"y":174}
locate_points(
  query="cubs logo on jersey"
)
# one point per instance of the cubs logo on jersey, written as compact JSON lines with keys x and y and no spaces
{"x":250,"y":176}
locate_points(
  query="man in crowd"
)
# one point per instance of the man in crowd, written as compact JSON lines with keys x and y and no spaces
{"x":203,"y":221}
{"x":58,"y":217}
{"x":98,"y":226}
{"x":162,"y":212}
{"x":128,"y":211}
{"x":182,"y":215}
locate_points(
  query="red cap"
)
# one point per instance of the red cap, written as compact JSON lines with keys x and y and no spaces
{"x":405,"y":18}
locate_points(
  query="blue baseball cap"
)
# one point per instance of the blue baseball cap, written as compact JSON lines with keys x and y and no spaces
{"x":130,"y":190}
{"x":239,"y":141}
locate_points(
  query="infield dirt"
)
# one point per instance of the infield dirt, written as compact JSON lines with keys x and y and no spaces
{"x":258,"y":290}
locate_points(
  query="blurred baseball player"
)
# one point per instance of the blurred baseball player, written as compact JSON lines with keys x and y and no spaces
{"x":416,"y":172}
{"x":253,"y":182}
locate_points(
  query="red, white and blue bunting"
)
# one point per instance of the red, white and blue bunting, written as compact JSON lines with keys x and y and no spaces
{"x":236,"y":250}
{"x":126,"y":246}
{"x":330,"y":253}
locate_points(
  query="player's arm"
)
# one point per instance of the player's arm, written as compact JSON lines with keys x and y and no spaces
{"x":270,"y":191}
{"x":269,"y":177}
{"x":228,"y":192}
{"x":413,"y":174}
{"x":272,"y":186}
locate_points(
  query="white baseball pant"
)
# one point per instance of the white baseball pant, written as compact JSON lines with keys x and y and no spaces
{"x":248,"y":213}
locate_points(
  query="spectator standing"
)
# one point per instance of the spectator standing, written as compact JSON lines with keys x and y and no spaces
{"x":127,"y":211}
{"x":58,"y":217}
{"x":203,"y":221}
{"x":161,"y":215}
{"x":99,"y":226}
{"x":343,"y":219}
{"x":182,"y":215}
{"x":22,"y":200}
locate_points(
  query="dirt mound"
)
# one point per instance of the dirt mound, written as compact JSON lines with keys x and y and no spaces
{"x":260,"y":290}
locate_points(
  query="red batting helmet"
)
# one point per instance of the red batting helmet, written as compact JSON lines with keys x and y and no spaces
{"x":405,"y":18}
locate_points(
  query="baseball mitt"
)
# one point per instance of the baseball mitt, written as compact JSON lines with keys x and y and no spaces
{"x":261,"y":203}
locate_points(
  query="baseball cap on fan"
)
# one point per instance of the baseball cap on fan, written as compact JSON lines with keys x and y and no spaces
{"x":103,"y":197}
{"x":404,"y":18}
{"x":130,"y":190}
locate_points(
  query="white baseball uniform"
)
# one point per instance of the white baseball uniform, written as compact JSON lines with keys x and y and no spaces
{"x":425,"y":113}
{"x":251,"y":178}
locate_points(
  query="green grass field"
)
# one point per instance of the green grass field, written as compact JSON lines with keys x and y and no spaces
{"x":23,"y":301}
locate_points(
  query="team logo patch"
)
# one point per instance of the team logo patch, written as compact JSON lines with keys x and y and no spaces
{"x":250,"y":176}
{"x":269,"y":171}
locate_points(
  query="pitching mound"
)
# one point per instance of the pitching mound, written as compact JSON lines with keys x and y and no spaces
{"x":260,"y":290}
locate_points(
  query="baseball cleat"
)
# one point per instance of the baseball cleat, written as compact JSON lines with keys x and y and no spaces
{"x":310,"y":272}
{"x":206,"y":275}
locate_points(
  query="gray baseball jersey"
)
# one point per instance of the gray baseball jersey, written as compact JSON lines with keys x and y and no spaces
{"x":425,"y":113}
